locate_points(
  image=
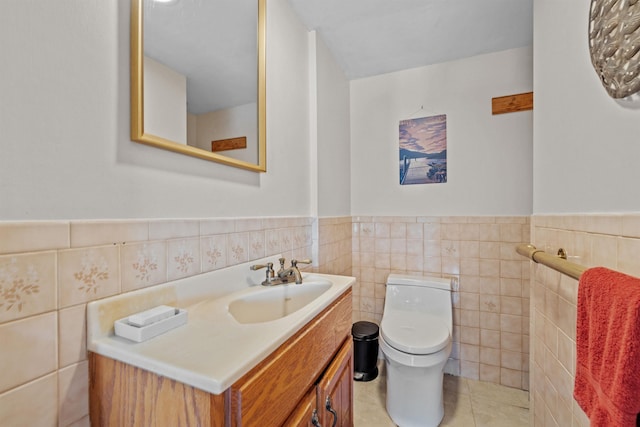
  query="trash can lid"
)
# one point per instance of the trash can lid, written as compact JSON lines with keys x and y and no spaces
{"x":364,"y":330}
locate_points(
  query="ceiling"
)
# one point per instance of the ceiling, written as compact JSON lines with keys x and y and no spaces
{"x":370,"y":37}
{"x":366,"y":37}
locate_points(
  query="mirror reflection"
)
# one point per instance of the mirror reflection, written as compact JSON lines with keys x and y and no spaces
{"x":198,"y":78}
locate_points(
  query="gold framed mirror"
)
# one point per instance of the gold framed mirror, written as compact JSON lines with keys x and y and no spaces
{"x":168,"y":117}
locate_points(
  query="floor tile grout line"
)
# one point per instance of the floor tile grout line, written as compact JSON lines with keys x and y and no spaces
{"x":473,"y":414}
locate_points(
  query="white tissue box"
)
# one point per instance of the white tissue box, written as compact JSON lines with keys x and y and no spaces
{"x":142,"y":333}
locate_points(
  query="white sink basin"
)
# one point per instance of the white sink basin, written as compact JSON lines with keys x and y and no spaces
{"x":275,"y":302}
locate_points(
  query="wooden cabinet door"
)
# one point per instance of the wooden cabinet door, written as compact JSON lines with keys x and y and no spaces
{"x":270,"y":392}
{"x":336,"y":387}
{"x":305,"y":412}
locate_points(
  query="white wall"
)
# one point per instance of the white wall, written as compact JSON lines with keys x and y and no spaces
{"x":165,"y":101}
{"x":331,"y":108}
{"x":489,"y":158}
{"x":64,"y":124}
{"x":192,"y":129}
{"x":229,"y":123}
{"x":586,"y":146}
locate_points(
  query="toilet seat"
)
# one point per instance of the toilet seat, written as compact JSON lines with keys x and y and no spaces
{"x":415,"y":332}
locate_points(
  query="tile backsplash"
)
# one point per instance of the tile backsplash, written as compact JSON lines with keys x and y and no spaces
{"x":491,"y":294}
{"x":50,"y":270}
{"x":611,"y":241}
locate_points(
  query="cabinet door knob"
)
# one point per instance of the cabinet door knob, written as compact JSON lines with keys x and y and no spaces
{"x":314,"y":419}
{"x":333,"y":412}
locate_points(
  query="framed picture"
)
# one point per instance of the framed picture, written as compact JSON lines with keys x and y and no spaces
{"x":423,"y":150}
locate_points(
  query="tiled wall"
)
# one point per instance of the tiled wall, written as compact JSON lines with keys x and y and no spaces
{"x":50,"y":270}
{"x":334,"y":245}
{"x":491,"y":300}
{"x":611,"y":241}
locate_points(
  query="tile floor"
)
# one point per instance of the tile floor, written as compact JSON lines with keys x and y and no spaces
{"x":467,"y":403}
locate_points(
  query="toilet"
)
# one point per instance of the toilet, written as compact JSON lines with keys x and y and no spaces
{"x":415,"y":339}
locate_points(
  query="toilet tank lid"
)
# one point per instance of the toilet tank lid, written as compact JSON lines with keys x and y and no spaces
{"x":428,"y":281}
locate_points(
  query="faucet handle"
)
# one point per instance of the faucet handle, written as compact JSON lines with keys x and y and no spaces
{"x":295,"y":262}
{"x":270,"y":276}
{"x":269,"y":266}
{"x":281,"y":269}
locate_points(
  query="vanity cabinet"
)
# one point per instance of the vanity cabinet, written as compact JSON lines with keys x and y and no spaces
{"x":331,"y":400}
{"x":315,"y":363}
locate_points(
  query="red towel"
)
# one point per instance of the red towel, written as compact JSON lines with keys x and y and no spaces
{"x":607,"y":383}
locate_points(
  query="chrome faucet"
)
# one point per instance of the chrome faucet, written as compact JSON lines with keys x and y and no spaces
{"x":284,"y":274}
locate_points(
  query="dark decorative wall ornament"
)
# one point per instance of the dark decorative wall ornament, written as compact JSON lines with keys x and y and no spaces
{"x":614,"y":45}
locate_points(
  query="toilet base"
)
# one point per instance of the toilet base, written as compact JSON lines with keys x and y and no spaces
{"x":414,"y":395}
{"x":415,"y":386}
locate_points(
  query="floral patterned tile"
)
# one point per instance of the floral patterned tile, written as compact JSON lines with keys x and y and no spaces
{"x":256,"y":245}
{"x":367,"y":229}
{"x":88,"y":274}
{"x":299,"y":237}
{"x":273,"y":244}
{"x":286,"y":239}
{"x":143,"y":264}
{"x":213,"y":252}
{"x":183,"y":258}
{"x":367,"y":304}
{"x":237,"y":248}
{"x":27,"y":285}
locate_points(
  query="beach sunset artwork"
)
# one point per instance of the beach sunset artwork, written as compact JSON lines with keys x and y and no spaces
{"x":423,"y":150}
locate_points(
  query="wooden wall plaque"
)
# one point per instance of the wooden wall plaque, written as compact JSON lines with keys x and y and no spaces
{"x":512,"y":103}
{"x":229,"y":144}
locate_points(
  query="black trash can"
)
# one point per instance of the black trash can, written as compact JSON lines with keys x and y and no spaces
{"x":365,"y":349}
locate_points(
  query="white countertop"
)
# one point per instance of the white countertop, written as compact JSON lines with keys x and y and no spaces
{"x":212,"y":350}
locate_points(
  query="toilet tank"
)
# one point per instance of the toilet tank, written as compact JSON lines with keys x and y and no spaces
{"x":420,"y":293}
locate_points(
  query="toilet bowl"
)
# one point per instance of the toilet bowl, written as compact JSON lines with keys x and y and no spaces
{"x":415,"y":339}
